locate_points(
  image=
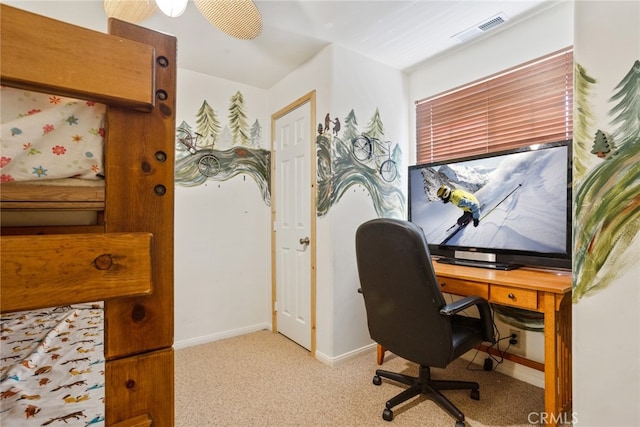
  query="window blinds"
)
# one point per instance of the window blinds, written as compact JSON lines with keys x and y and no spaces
{"x":528,"y":104}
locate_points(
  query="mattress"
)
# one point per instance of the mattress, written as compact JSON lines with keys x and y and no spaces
{"x":47,"y":137}
{"x":52,"y":367}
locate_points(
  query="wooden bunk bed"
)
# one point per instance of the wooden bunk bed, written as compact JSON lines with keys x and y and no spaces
{"x":126,"y":258}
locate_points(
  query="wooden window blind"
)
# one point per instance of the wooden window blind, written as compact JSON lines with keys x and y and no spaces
{"x":528,"y":104}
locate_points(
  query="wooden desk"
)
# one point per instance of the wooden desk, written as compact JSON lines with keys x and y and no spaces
{"x":544,"y":291}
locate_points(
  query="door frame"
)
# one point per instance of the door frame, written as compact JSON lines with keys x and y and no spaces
{"x":311,"y":98}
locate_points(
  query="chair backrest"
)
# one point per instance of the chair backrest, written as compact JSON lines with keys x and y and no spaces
{"x":401,"y":293}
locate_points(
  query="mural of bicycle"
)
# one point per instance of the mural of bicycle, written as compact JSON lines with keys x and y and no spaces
{"x":209,"y":164}
{"x":365,"y":148}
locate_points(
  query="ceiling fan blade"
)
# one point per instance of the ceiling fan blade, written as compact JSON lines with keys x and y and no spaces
{"x":133,"y":11}
{"x":237,"y":18}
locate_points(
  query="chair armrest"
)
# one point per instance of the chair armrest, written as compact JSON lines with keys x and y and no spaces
{"x":462,"y":304}
{"x":483,"y":308}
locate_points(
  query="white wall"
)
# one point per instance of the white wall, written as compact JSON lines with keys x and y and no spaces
{"x":222,"y":240}
{"x":362,"y":85}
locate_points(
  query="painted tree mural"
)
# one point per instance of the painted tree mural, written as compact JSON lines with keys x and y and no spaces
{"x":350,"y":127}
{"x":584,"y":121}
{"x":607,"y":200}
{"x":207,"y":125}
{"x":626,"y":110}
{"x":338,"y":169}
{"x":238,"y":120}
{"x":234,"y":153}
{"x":184,"y":130}
{"x":375,"y":128}
{"x":256,"y":134}
{"x":601,"y":146}
{"x":226,"y":138}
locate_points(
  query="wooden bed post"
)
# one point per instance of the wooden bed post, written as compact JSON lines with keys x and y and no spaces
{"x":139,"y":336}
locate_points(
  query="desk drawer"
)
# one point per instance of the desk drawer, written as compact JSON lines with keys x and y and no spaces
{"x":523,"y":298}
{"x":464,"y":287}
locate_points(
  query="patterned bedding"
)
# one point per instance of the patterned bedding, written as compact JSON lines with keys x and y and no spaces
{"x":52,"y":367}
{"x":49,"y":137}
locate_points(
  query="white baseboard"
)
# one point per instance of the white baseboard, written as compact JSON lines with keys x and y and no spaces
{"x":332,"y":361}
{"x":219,"y":336}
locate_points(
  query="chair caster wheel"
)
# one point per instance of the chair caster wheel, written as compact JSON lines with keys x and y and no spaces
{"x":475,"y":394}
{"x":377,"y":380}
{"x":387,"y":414}
{"x":459,"y":423}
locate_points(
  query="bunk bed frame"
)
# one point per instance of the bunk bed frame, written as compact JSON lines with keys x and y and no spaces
{"x":126,"y":259}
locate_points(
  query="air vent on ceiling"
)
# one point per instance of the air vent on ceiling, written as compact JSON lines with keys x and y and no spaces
{"x":483,"y":27}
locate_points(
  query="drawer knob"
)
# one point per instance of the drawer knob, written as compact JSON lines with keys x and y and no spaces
{"x":511,"y":296}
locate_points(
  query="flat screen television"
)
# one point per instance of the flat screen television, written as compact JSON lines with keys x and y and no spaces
{"x":525,"y":207}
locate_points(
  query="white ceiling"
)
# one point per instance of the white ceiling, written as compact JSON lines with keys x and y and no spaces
{"x":399,"y":33}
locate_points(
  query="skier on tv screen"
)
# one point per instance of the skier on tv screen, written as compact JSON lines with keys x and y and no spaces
{"x":465,"y":201}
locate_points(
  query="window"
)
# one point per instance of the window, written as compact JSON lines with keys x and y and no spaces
{"x":528,"y":104}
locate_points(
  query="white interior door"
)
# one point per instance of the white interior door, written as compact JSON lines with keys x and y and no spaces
{"x":293,"y":246}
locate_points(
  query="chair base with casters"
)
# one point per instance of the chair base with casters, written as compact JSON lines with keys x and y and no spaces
{"x":429,"y":387}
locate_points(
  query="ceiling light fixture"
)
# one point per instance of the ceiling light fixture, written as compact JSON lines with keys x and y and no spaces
{"x":237,"y":18}
{"x":133,"y":11}
{"x":172,"y":8}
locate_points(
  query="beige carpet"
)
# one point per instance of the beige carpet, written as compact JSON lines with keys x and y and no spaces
{"x":264,"y":379}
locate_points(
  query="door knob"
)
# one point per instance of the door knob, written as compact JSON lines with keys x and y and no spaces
{"x":304,"y":241}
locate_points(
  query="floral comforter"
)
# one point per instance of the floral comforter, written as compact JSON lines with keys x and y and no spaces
{"x":49,"y":137}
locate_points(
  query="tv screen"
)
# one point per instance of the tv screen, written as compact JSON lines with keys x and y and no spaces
{"x":512,"y":207}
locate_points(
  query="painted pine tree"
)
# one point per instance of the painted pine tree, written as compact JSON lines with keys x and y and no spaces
{"x":238,"y":120}
{"x":376,"y":128}
{"x":626,"y":111}
{"x":226,"y":138}
{"x":584,"y":121}
{"x":256,"y":134}
{"x":350,"y":127}
{"x":207,"y":125}
{"x":600,"y":147}
{"x":183,"y":137}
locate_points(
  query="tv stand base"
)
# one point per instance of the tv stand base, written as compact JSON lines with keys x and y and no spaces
{"x":476,"y":263}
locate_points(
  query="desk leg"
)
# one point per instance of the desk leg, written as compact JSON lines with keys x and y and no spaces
{"x":380,"y":355}
{"x":557,"y":357}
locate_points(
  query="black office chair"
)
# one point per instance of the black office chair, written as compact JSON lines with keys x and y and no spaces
{"x":407,"y":313}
